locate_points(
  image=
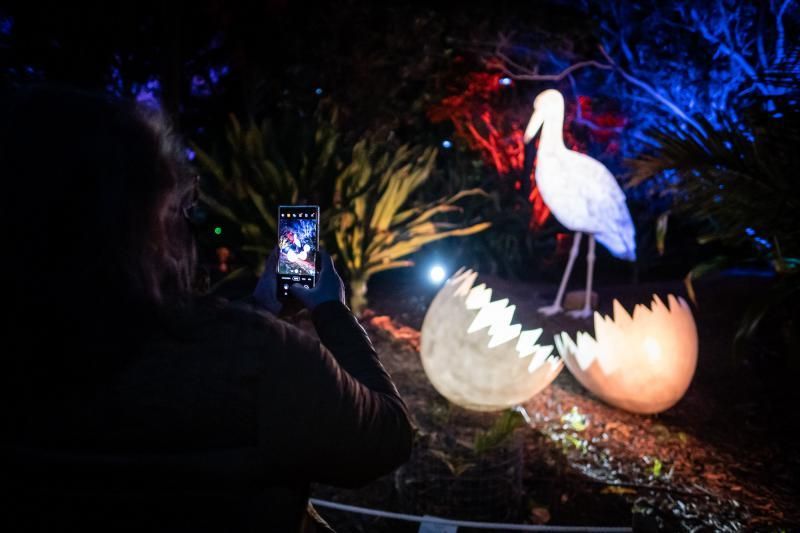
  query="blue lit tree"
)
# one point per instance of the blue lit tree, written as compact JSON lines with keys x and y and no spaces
{"x":680,"y":66}
{"x":665,"y":62}
{"x":711,"y":95}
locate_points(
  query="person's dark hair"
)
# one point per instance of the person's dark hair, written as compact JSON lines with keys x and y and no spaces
{"x":94,"y":192}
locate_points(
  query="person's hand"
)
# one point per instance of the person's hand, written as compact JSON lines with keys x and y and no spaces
{"x":329,"y":287}
{"x":266,"y":293}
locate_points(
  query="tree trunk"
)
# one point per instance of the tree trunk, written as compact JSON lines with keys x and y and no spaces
{"x":358,"y":294}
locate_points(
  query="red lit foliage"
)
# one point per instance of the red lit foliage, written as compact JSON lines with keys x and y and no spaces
{"x":490,"y":120}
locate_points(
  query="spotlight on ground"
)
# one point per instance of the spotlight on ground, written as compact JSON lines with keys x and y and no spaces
{"x":437,"y":274}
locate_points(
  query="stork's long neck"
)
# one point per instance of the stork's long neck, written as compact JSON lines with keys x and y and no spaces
{"x":552,"y":136}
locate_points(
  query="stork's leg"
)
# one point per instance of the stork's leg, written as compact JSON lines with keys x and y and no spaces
{"x":573,"y":253}
{"x":586,"y":312}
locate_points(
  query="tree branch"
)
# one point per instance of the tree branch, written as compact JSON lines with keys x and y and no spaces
{"x":779,"y":27}
{"x":505,"y":64}
{"x":649,"y":89}
{"x":762,"y":53}
{"x":725,"y":48}
{"x":579,"y":118}
{"x":526,"y":74}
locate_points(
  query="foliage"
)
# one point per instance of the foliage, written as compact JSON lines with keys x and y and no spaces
{"x":507,"y":248}
{"x":378,"y":230}
{"x":575,"y":419}
{"x":253,"y":176}
{"x":662,"y":63}
{"x":502,"y":429}
{"x":741,"y":181}
{"x":459,"y":454}
{"x":488,"y":113}
{"x":687,"y":57}
{"x":658,"y":467}
{"x":370,"y":225}
{"x":493,"y":130}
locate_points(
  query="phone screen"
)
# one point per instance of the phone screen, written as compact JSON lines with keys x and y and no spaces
{"x":298,"y":243}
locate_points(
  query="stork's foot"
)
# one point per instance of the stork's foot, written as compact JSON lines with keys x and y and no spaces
{"x":580,"y":313}
{"x":551,"y":310}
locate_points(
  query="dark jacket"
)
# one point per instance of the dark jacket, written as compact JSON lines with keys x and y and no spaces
{"x":218,"y":427}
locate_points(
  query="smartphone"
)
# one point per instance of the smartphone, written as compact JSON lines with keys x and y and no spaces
{"x":298,"y":244}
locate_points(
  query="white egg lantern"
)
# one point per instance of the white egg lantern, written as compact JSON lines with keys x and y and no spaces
{"x":642,"y":363}
{"x":472,"y":353}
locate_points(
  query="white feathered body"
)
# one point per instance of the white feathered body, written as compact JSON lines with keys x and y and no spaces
{"x":584,"y":196}
{"x":580,"y":192}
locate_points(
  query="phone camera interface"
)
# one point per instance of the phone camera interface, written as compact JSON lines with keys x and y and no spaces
{"x":297,"y":242}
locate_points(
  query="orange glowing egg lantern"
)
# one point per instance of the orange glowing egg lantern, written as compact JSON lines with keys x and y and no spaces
{"x":472,"y":353}
{"x":643,"y":362}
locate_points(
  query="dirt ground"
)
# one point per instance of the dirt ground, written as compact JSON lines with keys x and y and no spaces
{"x":722,"y":459}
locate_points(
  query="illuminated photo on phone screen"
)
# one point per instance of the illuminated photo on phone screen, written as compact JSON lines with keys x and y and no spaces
{"x":297,"y":241}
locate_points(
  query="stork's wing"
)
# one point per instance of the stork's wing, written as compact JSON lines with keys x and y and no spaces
{"x":608,"y":214}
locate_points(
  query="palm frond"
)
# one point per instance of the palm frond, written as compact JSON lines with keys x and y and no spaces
{"x":741,"y":180}
{"x":377,"y":229}
{"x":254,"y":171}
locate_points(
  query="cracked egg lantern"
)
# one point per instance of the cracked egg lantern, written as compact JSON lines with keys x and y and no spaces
{"x":641,"y":363}
{"x":472,"y":353}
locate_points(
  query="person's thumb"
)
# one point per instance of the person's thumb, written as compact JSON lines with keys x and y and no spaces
{"x":301,"y":293}
{"x":326,"y":263}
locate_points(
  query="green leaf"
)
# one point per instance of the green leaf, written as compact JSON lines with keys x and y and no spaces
{"x":700,"y":270}
{"x":657,"y":467}
{"x":575,"y":419}
{"x":239,"y":273}
{"x":389,"y":265}
{"x":502,"y":429}
{"x":218,"y":208}
{"x":454,"y":465}
{"x":255,"y":170}
{"x":661,"y":232}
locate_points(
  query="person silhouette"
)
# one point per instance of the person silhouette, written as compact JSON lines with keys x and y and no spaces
{"x":133,"y":403}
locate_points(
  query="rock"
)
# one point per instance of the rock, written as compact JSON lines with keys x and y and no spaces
{"x":574,"y":300}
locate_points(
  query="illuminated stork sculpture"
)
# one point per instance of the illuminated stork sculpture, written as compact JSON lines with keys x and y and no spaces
{"x":581,"y":193}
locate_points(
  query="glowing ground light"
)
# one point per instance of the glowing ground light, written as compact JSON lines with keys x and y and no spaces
{"x":505,"y":82}
{"x":217,"y":231}
{"x":437,"y":274}
{"x":447,"y":144}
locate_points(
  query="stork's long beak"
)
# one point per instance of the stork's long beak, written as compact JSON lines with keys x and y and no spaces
{"x":533,"y":126}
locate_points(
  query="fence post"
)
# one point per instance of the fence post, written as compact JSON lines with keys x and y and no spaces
{"x":434,"y":527}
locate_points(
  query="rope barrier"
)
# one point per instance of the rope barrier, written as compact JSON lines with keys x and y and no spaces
{"x":463,"y":523}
